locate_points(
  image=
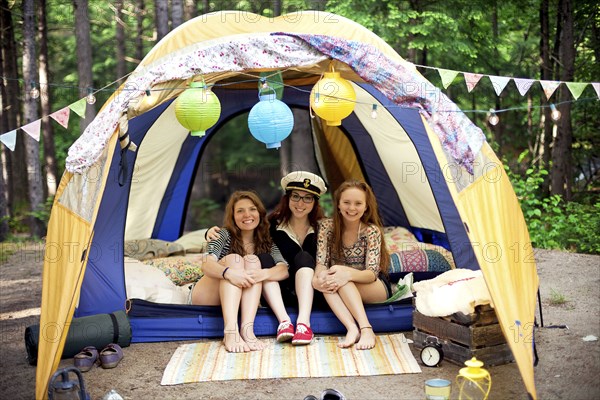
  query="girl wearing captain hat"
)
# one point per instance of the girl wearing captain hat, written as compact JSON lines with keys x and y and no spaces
{"x":293,"y":228}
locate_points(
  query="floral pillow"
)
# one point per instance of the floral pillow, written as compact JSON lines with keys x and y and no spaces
{"x":179,"y":269}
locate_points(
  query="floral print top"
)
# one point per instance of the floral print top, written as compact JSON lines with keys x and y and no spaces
{"x":365,"y":253}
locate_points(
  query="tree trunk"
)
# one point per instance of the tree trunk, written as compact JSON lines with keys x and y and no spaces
{"x":15,"y":163}
{"x":176,"y":13}
{"x":120,"y":39}
{"x":546,"y":74}
{"x":190,"y":10}
{"x":51,"y":168}
{"x":562,"y":174}
{"x":140,"y":12}
{"x":161,"y":12}
{"x":30,"y":109}
{"x":84,"y":57}
{"x":4,"y":106}
{"x":497,"y":130}
{"x":276,"y":8}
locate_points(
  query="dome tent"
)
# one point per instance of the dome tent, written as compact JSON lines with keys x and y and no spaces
{"x":439,"y":179}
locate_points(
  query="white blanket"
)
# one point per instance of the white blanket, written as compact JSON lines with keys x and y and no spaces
{"x":457,"y":290}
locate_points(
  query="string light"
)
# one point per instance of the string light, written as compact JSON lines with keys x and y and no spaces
{"x":34,"y":92}
{"x":90,"y":98}
{"x":554,"y":113}
{"x":148,"y":92}
{"x":374,"y":111}
{"x":493,"y":119}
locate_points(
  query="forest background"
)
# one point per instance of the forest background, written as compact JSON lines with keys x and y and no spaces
{"x":56,"y":52}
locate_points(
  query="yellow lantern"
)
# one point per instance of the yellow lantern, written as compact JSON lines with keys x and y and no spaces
{"x":197,"y":108}
{"x":332,"y":98}
{"x":473,"y":381}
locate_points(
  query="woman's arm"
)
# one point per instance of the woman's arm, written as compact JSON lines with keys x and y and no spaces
{"x":322,"y":257}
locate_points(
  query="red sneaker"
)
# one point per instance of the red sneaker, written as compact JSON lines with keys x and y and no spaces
{"x":303,"y":335}
{"x":285,"y":331}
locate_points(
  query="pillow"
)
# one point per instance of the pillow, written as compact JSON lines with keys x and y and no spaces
{"x":419,"y":261}
{"x":148,"y":283}
{"x":179,"y":269}
{"x":145,"y":249}
{"x":193,"y":242}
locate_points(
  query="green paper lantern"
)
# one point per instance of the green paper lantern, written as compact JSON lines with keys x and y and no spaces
{"x":197,"y":109}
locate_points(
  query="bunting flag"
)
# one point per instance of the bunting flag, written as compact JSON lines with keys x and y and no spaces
{"x":596,"y":86}
{"x":471,"y":80}
{"x":499,"y":83}
{"x":447,"y":76}
{"x":79,"y":107}
{"x":62,"y":116}
{"x":549,"y":87}
{"x":576,"y":88}
{"x":33,"y":129}
{"x":523,"y":85}
{"x":9,"y":139}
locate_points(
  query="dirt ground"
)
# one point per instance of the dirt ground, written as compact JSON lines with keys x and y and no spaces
{"x":569,"y":366}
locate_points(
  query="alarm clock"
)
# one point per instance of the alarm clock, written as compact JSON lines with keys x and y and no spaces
{"x":432,"y":353}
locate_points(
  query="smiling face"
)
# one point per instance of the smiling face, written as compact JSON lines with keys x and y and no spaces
{"x":352,"y":204}
{"x":299,"y":208}
{"x":246,"y":215}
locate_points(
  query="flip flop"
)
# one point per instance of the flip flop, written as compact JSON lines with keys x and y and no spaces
{"x":86,"y":358}
{"x":111,"y":355}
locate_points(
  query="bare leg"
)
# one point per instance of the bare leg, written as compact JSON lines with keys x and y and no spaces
{"x":305,"y":293}
{"x":230,"y":302}
{"x":230,"y":296}
{"x":272,"y":293}
{"x":343,"y":314}
{"x":353,"y":297}
{"x":250,"y":301}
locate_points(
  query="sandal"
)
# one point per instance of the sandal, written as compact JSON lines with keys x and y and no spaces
{"x":111,"y":355}
{"x":86,"y":358}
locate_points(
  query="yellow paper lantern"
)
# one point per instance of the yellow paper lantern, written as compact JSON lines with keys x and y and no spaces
{"x":197,"y":108}
{"x":332,"y":98}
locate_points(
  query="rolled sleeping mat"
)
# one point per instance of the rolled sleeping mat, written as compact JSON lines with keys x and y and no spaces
{"x":95,"y":330}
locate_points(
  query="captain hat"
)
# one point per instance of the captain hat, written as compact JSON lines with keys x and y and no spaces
{"x":304,"y":181}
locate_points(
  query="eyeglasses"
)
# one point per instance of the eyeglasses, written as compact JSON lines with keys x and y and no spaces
{"x":307,"y":199}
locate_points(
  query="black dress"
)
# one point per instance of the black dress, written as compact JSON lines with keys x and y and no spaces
{"x":291,"y":251}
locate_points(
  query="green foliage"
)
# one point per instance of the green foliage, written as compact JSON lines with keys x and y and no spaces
{"x":204,"y":213}
{"x":552,"y":224}
{"x":557,"y":298}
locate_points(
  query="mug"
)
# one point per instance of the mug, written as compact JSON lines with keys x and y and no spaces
{"x":437,"y":389}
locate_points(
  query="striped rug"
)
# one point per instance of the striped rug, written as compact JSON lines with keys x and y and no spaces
{"x":208,"y":361}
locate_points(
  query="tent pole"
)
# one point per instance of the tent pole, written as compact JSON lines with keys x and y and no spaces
{"x":540,"y":307}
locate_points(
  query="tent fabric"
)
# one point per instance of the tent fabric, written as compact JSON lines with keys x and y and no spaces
{"x":438,"y":179}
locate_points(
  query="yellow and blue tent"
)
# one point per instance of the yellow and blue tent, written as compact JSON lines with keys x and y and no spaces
{"x":435,"y":176}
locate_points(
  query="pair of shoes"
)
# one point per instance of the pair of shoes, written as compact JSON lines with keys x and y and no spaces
{"x":86,"y":358}
{"x":285,"y":331}
{"x":109,"y":357}
{"x":303,"y":335}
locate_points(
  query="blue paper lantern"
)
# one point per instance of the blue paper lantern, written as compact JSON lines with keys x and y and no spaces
{"x":270,"y":120}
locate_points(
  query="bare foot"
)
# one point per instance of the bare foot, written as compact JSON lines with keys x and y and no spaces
{"x":234,"y":343}
{"x":253,"y":342}
{"x":351,"y":337}
{"x":367,"y":339}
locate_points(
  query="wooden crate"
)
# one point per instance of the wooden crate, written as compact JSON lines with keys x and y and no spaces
{"x":464,"y":336}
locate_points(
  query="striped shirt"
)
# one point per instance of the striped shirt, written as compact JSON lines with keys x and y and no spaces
{"x":221,"y":246}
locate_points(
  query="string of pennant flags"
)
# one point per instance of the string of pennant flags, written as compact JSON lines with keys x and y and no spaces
{"x":523,"y":84}
{"x":499,"y":83}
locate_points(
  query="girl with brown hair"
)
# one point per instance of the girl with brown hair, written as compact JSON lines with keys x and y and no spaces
{"x":353,"y":261}
{"x":238,"y":262}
